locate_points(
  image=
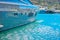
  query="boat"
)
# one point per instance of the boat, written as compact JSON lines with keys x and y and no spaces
{"x":42,"y":10}
{"x":49,"y":11}
{"x":53,"y":10}
{"x":13,"y":14}
{"x":57,"y":10}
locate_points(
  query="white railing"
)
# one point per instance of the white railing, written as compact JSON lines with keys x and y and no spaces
{"x":12,"y":3}
{"x":7,"y":9}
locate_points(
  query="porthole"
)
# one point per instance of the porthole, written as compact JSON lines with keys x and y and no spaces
{"x":30,"y":14}
{"x":15,"y":14}
{"x":21,"y":13}
{"x":25,"y":13}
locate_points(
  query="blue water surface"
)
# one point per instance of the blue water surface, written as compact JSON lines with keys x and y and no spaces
{"x":46,"y":27}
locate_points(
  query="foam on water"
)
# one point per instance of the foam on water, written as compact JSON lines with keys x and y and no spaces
{"x":40,"y":21}
{"x":1,"y":26}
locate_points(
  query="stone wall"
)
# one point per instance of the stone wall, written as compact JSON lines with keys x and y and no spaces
{"x":49,"y":3}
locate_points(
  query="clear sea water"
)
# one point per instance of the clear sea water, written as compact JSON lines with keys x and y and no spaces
{"x":46,"y":27}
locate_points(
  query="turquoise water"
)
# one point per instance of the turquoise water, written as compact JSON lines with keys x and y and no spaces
{"x":46,"y":27}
